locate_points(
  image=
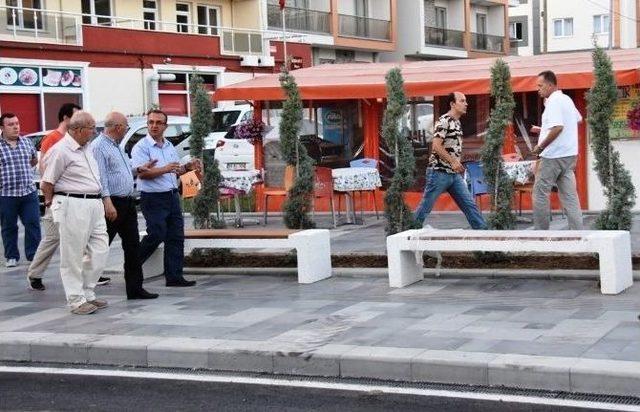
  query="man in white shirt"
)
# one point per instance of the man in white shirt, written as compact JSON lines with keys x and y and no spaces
{"x":558,"y":151}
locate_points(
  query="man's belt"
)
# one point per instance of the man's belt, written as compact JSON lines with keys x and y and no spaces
{"x":81,"y":195}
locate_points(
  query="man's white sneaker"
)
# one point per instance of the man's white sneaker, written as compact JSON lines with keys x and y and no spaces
{"x":11,"y":263}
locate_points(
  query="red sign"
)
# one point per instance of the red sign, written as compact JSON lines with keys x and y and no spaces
{"x":282,"y":4}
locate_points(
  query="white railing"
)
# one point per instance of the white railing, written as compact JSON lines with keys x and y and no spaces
{"x":24,"y":24}
{"x":44,"y":26}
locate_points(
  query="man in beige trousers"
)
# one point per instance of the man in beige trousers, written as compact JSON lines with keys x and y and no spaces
{"x":71,"y":188}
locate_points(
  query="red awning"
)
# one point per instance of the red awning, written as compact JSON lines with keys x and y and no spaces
{"x":434,"y":78}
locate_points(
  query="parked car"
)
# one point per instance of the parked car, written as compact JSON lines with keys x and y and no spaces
{"x":231,"y":153}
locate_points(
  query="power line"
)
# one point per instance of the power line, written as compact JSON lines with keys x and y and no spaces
{"x":614,"y":12}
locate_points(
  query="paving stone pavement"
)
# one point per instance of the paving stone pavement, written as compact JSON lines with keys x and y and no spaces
{"x":525,"y":332}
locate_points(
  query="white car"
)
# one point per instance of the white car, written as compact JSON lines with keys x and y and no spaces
{"x":231,"y":153}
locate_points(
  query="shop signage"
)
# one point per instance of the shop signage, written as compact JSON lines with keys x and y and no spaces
{"x":20,"y":76}
{"x":628,"y":104}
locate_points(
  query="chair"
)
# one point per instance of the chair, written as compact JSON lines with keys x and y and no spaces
{"x":477,"y":184}
{"x":366,"y":162}
{"x":323,"y":187}
{"x":289,"y":173}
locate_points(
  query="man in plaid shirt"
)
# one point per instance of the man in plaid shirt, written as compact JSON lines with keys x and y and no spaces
{"x":18,"y":194}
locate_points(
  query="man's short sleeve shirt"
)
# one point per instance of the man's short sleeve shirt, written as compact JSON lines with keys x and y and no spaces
{"x":449,"y":130}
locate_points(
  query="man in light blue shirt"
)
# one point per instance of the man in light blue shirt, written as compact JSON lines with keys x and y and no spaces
{"x":116,"y":176}
{"x":159,"y":198}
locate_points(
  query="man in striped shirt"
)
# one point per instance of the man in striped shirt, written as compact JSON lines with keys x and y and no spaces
{"x":18,"y":195}
{"x":116,"y":175}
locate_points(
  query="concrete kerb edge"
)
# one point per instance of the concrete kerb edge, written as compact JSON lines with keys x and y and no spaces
{"x":334,"y":360}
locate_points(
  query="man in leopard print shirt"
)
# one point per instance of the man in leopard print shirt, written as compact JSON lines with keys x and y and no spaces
{"x":445,"y":170}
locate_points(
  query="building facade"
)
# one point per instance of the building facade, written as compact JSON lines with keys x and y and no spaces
{"x":547,"y":26}
{"x":131,"y":55}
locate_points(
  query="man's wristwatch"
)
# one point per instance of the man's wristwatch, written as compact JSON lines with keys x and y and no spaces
{"x":47,"y":203}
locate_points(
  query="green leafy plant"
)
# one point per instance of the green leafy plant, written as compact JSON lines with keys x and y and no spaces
{"x":500,"y":185}
{"x":207,"y":198}
{"x":614,"y":177}
{"x":298,"y":203}
{"x":399,"y":216}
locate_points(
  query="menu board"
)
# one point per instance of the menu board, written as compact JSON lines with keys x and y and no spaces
{"x":628,"y":100}
{"x":19,"y":76}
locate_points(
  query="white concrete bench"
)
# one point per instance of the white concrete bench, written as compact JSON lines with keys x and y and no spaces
{"x":612,"y":246}
{"x":313,"y":248}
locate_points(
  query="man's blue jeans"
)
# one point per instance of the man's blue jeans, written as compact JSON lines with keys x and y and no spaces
{"x":165,"y":224}
{"x":438,"y":182}
{"x":27,"y":208}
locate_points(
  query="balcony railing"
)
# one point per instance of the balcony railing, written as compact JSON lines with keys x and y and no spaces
{"x":365,"y":27}
{"x":487,"y":42}
{"x":435,"y":36}
{"x":41,"y":26}
{"x":303,"y":20}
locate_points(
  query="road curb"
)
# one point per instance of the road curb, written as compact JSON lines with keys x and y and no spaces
{"x":331,"y":360}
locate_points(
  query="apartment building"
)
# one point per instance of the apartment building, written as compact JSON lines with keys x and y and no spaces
{"x":445,"y":29}
{"x":339,"y":31}
{"x":130,"y":55}
{"x":548,"y":26}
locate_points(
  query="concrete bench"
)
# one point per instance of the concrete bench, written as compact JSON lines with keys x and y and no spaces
{"x":312,"y":247}
{"x":612,"y":246}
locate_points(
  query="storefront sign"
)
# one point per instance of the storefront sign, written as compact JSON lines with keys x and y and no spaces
{"x":61,"y":77}
{"x":295,"y":62}
{"x":332,"y":124}
{"x":19,"y":76}
{"x":628,"y":101}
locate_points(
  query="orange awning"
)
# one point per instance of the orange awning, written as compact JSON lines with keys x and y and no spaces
{"x":434,"y":78}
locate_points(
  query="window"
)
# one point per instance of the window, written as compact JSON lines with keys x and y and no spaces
{"x":150,"y":14}
{"x":441,"y":17}
{"x":515,"y":31}
{"x":96,"y":12}
{"x":563,"y":27}
{"x":481,"y":23}
{"x":601,"y":24}
{"x":182,"y":17}
{"x":208,"y":20}
{"x":20,"y":18}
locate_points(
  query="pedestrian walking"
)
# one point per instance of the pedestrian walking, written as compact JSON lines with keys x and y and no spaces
{"x":116,"y":177}
{"x":159,"y":198}
{"x":71,"y":188}
{"x":444,"y":173}
{"x":51,"y":240}
{"x":18,"y":194}
{"x":558,"y":150}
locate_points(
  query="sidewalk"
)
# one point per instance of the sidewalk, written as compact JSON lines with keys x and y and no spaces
{"x":556,"y":334}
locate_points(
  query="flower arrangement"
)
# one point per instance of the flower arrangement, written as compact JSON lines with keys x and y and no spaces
{"x":633,"y":116}
{"x":251,"y":130}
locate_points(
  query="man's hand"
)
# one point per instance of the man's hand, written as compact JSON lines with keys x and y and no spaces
{"x":537,"y":150}
{"x":173,"y":167}
{"x":457,"y":166}
{"x":109,"y":210}
{"x":535,"y":129}
{"x":147,"y":166}
{"x":194,"y":164}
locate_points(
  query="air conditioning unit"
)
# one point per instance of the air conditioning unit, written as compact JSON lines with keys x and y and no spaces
{"x":267,"y":61}
{"x":249,"y":60}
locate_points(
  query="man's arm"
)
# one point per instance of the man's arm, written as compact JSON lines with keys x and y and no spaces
{"x":47,"y":191}
{"x":437,"y":145}
{"x":554,"y":132}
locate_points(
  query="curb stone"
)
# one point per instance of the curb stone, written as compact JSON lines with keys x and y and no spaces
{"x":388,"y":363}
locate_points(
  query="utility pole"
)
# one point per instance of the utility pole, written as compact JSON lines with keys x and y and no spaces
{"x":610,"y":24}
{"x":544,"y":26}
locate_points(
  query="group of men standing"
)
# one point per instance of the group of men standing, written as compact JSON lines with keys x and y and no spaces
{"x":557,"y":150}
{"x":88,"y":188}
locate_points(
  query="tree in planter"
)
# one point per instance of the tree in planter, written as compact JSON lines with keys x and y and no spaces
{"x":399,"y":216}
{"x":298,"y":203}
{"x":614,"y":177}
{"x":500,"y":185}
{"x":206,"y":200}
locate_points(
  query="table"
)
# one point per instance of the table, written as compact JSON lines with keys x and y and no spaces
{"x":237,"y":183}
{"x":521,"y":172}
{"x":355,"y":179}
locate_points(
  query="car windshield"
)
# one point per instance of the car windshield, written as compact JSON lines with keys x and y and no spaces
{"x":222,"y":120}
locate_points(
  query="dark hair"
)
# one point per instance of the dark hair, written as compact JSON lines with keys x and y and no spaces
{"x":67,"y":110}
{"x":7,"y":115}
{"x":451,"y":98}
{"x":158,"y":111}
{"x":549,"y":77}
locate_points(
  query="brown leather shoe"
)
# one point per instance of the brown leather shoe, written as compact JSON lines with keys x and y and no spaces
{"x":85,"y":309}
{"x":98,"y":303}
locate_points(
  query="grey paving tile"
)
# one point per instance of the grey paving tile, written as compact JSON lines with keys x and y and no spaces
{"x":621,"y":378}
{"x":180,"y":352}
{"x":452,"y":367}
{"x":538,"y":348}
{"x":378,"y":362}
{"x":539,"y":372}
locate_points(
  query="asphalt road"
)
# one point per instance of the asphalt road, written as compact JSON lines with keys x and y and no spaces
{"x":38,"y":391}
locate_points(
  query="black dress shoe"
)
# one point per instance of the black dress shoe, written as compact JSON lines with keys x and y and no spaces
{"x":182,"y":282}
{"x":142,"y":294}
